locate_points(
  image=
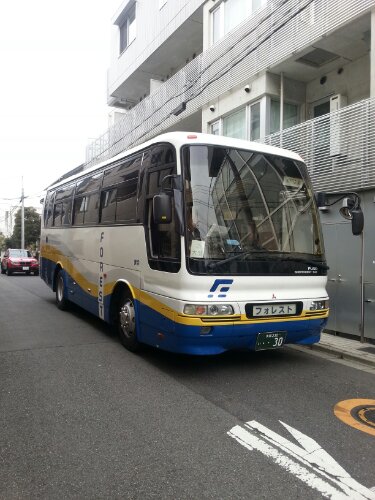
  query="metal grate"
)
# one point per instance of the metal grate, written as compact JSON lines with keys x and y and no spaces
{"x":339,"y":148}
{"x":282,"y":28}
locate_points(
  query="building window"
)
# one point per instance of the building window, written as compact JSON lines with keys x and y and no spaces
{"x":234,"y":125}
{"x":216,"y":24}
{"x":255,"y":121}
{"x":128,"y":29}
{"x":290,"y":117}
{"x":215,"y":128}
{"x":235,"y":11}
{"x":230,"y":13}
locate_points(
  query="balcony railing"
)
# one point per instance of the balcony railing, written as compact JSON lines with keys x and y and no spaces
{"x":282,"y":28}
{"x":338,"y":148}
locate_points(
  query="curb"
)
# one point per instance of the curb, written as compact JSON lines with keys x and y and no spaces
{"x":364,"y":358}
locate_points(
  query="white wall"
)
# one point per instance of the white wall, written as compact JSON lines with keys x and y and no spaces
{"x":154,"y":26}
{"x":353,"y":82}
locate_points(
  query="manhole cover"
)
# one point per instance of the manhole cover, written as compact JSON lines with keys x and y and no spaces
{"x":358,"y":413}
{"x":366,"y":415}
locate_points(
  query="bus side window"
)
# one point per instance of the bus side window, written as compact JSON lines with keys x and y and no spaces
{"x":91,"y":209}
{"x":119,"y":204}
{"x":57,"y":214}
{"x":126,"y":200}
{"x":108,"y":206}
{"x":48,"y":210}
{"x":79,"y":210}
{"x":86,"y":200}
{"x":66,"y":216}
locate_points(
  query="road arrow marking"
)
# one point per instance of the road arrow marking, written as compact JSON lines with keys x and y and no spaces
{"x":308,"y":462}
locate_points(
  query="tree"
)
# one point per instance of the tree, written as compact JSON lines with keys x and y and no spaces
{"x":2,"y":241}
{"x":32,"y":228}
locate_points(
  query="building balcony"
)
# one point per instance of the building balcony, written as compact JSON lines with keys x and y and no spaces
{"x":271,"y":41}
{"x":162,"y":38}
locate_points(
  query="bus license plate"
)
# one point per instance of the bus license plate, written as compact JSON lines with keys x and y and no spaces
{"x":269,"y":340}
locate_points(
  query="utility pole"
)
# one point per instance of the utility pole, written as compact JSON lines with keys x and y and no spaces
{"x":7,"y":222}
{"x":22,"y":218}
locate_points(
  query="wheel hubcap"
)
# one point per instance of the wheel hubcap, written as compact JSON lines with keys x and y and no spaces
{"x":127,"y":319}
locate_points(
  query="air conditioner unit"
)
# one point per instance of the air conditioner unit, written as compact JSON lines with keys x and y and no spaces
{"x":337,"y":102}
{"x":337,"y":144}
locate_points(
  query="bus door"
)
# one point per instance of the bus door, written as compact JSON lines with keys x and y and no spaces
{"x":163,"y":240}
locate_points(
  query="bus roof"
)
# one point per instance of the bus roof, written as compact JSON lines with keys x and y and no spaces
{"x":180,"y":139}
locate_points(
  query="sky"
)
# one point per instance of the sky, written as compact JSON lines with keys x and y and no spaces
{"x":54,"y":58}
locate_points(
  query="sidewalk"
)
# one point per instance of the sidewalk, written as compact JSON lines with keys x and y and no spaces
{"x":346,"y":348}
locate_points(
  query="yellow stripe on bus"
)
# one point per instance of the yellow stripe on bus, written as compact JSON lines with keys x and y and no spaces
{"x":51,"y":253}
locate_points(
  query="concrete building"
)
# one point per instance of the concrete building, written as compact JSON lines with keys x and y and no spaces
{"x":293,"y":73}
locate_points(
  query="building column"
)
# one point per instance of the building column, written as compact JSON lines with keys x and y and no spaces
{"x":372,"y":55}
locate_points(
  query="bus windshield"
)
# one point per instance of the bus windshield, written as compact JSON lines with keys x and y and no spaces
{"x":246,"y":211}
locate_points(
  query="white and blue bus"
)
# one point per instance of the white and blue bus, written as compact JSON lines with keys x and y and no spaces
{"x":191,"y":243}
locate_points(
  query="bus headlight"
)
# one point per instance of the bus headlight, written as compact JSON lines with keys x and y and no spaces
{"x":208,"y":309}
{"x":318,"y":305}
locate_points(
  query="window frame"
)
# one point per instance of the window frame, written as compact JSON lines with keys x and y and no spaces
{"x":221,"y":9}
{"x":246,"y":121}
{"x":156,"y":261}
{"x":124,"y":28}
{"x":288,"y":102}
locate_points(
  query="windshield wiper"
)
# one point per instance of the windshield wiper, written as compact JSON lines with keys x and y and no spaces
{"x":269,"y":257}
{"x":214,"y":265}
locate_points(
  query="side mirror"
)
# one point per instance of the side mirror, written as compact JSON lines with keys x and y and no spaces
{"x":162,"y":208}
{"x":357,"y":221}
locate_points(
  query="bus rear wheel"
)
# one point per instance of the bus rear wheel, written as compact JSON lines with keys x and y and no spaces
{"x":61,"y":301}
{"x":126,"y":324}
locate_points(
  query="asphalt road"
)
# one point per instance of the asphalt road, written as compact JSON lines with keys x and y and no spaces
{"x":81,"y":417}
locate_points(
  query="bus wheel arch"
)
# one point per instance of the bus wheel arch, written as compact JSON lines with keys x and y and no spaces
{"x":60,"y":289}
{"x":124,"y":316}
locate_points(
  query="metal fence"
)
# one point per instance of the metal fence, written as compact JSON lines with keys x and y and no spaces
{"x":339,"y":148}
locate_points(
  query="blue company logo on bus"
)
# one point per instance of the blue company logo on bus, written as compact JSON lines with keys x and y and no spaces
{"x":221,"y":287}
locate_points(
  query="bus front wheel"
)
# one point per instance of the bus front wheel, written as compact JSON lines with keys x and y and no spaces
{"x":126,"y":324}
{"x":61,"y":301}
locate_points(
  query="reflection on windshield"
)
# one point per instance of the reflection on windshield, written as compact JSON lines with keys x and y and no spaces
{"x":19,"y":253}
{"x":245,"y":202}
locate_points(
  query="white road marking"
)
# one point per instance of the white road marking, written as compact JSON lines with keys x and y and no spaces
{"x":308,"y":462}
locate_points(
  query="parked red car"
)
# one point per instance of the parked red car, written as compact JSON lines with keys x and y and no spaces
{"x":16,"y":260}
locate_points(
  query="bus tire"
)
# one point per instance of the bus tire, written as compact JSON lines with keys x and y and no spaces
{"x":126,"y":323}
{"x":61,"y":302}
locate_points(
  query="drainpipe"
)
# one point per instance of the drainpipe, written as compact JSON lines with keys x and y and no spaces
{"x":362,"y":287}
{"x":281,"y":107}
{"x":372,"y":55}
{"x":22,"y":218}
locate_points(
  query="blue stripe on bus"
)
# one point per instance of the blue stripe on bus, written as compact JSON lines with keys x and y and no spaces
{"x":157,"y":330}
